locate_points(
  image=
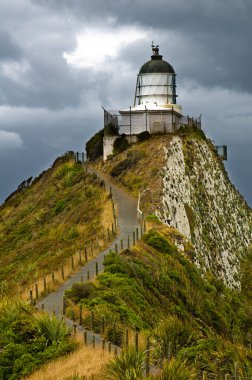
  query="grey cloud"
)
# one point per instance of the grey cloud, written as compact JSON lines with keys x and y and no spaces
{"x":9,"y":49}
{"x":216,"y":32}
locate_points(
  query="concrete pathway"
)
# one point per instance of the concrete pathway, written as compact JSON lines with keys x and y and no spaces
{"x":127,"y":223}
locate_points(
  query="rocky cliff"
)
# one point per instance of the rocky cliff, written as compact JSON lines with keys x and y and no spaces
{"x":183,"y":181}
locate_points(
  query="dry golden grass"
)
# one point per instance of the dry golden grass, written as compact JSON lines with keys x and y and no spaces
{"x":64,"y":212}
{"x":54,"y":279}
{"x":138,"y":179}
{"x":84,"y":362}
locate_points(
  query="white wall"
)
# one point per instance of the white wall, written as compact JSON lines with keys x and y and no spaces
{"x":108,"y":144}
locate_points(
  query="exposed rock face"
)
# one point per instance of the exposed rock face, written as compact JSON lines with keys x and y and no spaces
{"x":200,"y":201}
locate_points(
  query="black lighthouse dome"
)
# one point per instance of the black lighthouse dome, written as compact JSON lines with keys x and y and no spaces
{"x":156,"y":64}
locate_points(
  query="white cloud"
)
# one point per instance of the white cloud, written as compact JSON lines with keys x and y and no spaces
{"x":10,"y":141}
{"x":96,"y":46}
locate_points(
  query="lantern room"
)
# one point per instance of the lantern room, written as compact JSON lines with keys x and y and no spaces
{"x":156,"y":82}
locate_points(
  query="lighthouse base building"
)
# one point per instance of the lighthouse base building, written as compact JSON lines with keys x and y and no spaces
{"x":155,"y":107}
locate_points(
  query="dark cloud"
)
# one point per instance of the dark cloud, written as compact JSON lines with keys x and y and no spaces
{"x":9,"y":49}
{"x":215,"y":32}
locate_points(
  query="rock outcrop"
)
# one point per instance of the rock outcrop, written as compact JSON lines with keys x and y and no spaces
{"x":199,"y":200}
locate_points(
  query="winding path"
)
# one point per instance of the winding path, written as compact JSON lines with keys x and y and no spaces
{"x":127,"y":223}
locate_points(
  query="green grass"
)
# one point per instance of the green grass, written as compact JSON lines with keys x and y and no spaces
{"x":28,"y":341}
{"x":155,"y":288}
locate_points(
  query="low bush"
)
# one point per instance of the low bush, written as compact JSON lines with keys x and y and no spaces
{"x":159,"y":242}
{"x":142,"y":136}
{"x":80,"y":291}
{"x":128,"y":366}
{"x":120,"y":144}
{"x":121,"y":167}
{"x":94,"y":146}
{"x":27,"y":342}
{"x":111,"y":130}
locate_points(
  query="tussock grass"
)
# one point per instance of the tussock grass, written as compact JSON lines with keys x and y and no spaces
{"x":84,"y":362}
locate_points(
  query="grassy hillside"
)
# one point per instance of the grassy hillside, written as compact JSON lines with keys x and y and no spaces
{"x":140,"y":168}
{"x":64,"y":210}
{"x":153,"y":287}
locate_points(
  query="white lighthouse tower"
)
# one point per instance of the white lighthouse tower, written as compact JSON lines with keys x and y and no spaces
{"x":155,"y":107}
{"x":156,"y":82}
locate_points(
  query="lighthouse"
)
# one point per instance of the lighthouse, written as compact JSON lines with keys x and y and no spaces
{"x":156,"y":82}
{"x":154,"y":110}
{"x":155,"y":107}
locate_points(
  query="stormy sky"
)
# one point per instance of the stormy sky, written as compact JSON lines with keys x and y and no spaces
{"x":62,"y":60}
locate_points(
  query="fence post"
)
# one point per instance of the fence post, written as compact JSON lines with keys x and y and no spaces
{"x":96,"y":269}
{"x":53,"y":277}
{"x":115,"y":352}
{"x":81,"y":279}
{"x":114,"y":332}
{"x":136,"y":340}
{"x":134,"y":238}
{"x":144,"y":225}
{"x":62,"y":272}
{"x":103,"y":325}
{"x":121,"y":244}
{"x":137,"y":237}
{"x":235,"y":371}
{"x":169,"y":351}
{"x":108,"y":234}
{"x":147,"y":363}
{"x":93,"y":341}
{"x":92,"y":320}
{"x":85,"y":337}
{"x":109,"y":347}
{"x":204,"y":376}
{"x":31,"y":298}
{"x":88,"y":275}
{"x":116,"y":249}
{"x":44,"y":281}
{"x":64,"y":305}
{"x":103,"y":344}
{"x":127,"y":338}
{"x":80,"y":314}
{"x":36,"y":292}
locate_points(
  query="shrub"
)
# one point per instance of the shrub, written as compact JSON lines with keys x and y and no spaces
{"x":176,"y":370}
{"x":120,"y":144}
{"x":80,"y":291}
{"x":94,"y":147}
{"x":128,"y":366}
{"x":153,"y":218}
{"x":111,"y":130}
{"x":159,"y":242}
{"x":52,"y":328}
{"x":114,"y":335}
{"x":59,"y":207}
{"x":120,"y":167}
{"x":172,"y":334}
{"x":145,"y":135}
